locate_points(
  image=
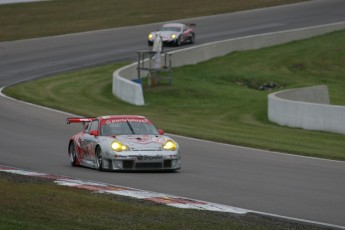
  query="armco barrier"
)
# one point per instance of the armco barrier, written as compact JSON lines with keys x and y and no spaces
{"x":306,"y":108}
{"x":132,"y":92}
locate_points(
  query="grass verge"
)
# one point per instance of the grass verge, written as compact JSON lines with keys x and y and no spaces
{"x":216,"y":100}
{"x":38,"y":19}
{"x":36,"y":203}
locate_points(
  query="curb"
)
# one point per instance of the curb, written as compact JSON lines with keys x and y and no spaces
{"x":97,"y":187}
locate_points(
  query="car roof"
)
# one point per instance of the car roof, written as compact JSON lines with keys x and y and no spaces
{"x":173,"y":25}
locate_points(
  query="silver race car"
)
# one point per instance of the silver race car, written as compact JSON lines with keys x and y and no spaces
{"x":122,"y":143}
{"x":174,"y":34}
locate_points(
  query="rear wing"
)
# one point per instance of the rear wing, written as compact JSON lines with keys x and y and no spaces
{"x":82,"y":120}
{"x":79,"y":119}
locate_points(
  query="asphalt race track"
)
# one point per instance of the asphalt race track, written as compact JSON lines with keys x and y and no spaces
{"x":35,"y":138}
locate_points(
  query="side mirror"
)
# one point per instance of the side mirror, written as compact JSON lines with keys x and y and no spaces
{"x":160,"y":131}
{"x":94,"y":133}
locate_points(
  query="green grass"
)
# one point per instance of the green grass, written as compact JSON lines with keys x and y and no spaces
{"x":28,"y":203}
{"x":20,"y":21}
{"x":216,"y":100}
{"x":36,"y":203}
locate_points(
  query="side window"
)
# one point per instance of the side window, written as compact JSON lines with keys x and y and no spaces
{"x":92,"y":126}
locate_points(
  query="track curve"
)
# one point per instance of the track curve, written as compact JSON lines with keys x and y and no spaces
{"x":36,"y":138}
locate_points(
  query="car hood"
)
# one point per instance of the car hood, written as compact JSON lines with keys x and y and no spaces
{"x":166,"y":35}
{"x":143,"y":142}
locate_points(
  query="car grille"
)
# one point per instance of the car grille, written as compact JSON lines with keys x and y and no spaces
{"x":167,"y":164}
{"x":149,"y":165}
{"x":128,"y":164}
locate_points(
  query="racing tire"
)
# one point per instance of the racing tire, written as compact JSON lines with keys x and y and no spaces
{"x":99,"y":159}
{"x":192,"y":39}
{"x":72,"y":152}
{"x":178,"y":41}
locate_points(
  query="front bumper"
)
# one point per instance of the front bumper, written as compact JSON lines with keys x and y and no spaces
{"x":165,"y":42}
{"x":170,"y":42}
{"x":143,"y":162}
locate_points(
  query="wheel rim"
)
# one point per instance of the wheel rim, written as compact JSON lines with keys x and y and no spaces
{"x":72,"y":153}
{"x":99,"y":159}
{"x":99,"y":162}
{"x":179,"y":41}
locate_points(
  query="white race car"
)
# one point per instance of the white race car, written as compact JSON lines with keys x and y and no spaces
{"x":173,"y":34}
{"x":122,"y":143}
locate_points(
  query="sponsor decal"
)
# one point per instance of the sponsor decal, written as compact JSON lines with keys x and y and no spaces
{"x":120,"y":157}
{"x":123,"y":120}
{"x":146,"y":157}
{"x":145,"y":139}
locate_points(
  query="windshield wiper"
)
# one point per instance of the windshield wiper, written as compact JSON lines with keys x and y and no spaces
{"x":130,"y":127}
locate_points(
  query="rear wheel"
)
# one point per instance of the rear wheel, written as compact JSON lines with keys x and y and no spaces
{"x":192,"y":39}
{"x":99,"y":159}
{"x":73,"y":154}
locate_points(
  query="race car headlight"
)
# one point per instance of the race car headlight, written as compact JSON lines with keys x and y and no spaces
{"x":150,"y":36}
{"x":118,"y":146}
{"x":173,"y":36}
{"x":169,"y":145}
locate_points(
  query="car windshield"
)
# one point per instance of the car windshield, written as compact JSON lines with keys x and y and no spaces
{"x":166,"y":28}
{"x":128,"y":128}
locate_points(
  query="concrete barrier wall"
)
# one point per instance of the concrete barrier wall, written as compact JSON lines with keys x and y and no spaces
{"x":131,"y":92}
{"x":124,"y":88}
{"x":306,"y":108}
{"x":314,"y":94}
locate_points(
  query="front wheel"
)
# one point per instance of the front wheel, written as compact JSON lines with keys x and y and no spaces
{"x":99,"y":159}
{"x":178,"y":41}
{"x":72,"y":152}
